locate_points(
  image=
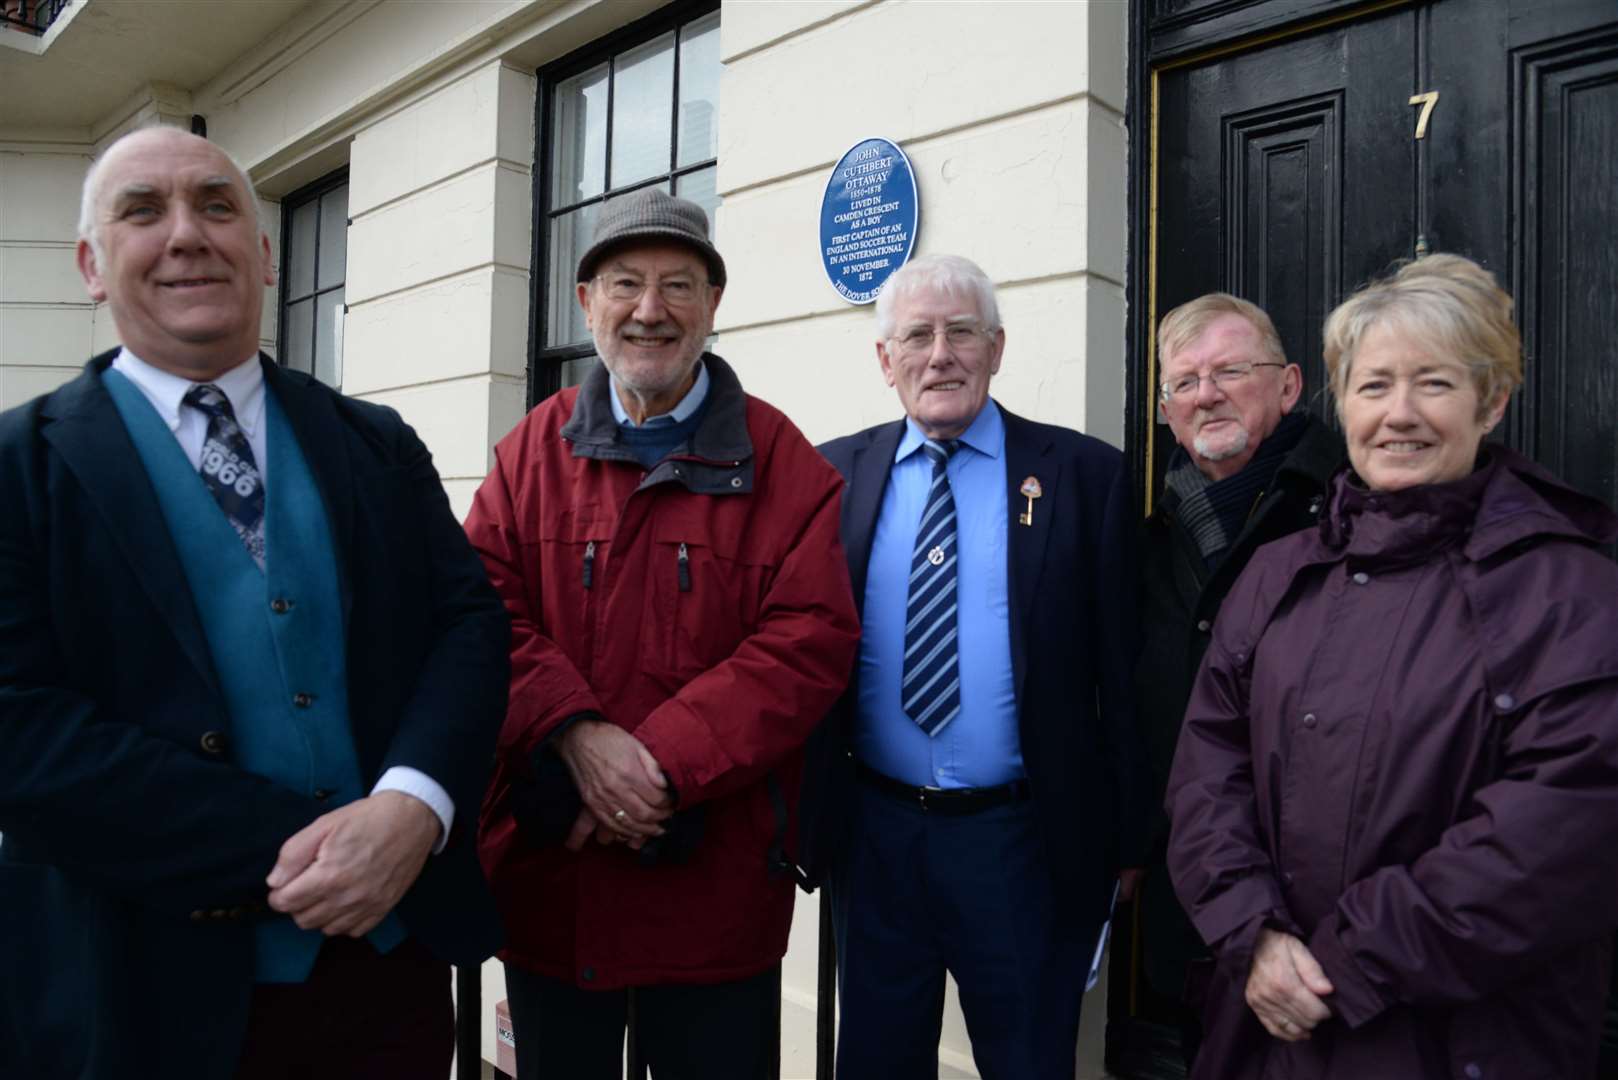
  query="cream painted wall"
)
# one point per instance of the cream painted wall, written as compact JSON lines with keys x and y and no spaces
{"x":1011,"y":113}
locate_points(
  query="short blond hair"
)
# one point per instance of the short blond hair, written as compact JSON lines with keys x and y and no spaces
{"x":1447,"y":302}
{"x":1186,"y":323}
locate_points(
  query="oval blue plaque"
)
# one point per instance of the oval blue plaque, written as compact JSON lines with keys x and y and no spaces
{"x":868,"y":219}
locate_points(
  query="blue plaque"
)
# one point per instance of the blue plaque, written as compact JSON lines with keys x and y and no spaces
{"x":868,"y":219}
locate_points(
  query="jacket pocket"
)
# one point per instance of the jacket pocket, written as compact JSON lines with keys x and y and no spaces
{"x":708,"y":600}
{"x":51,"y":936}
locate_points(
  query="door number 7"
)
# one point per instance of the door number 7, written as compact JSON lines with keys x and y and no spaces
{"x":1426,"y":101}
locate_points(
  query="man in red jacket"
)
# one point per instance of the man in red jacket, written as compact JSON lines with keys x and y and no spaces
{"x":667,"y":547}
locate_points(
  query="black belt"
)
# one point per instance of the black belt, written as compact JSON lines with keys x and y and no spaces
{"x":946,"y":800}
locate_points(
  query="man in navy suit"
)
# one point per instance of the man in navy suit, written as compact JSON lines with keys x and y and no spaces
{"x":981,"y":784}
{"x":251,"y":675}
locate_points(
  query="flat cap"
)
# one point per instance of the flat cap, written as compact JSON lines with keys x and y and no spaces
{"x":651,"y":215}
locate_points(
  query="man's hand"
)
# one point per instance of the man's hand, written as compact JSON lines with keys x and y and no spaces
{"x":344,"y":871}
{"x":1285,"y":986}
{"x":620,"y":781}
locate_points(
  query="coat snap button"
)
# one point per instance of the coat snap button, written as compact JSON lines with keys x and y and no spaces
{"x":1505,"y":702}
{"x":303,"y":700}
{"x":1362,"y":578}
{"x":280,"y":605}
{"x":1473,"y":1071}
{"x":735,"y":481}
{"x":1309,"y":720}
{"x":213,"y":742}
{"x":1204,"y":625}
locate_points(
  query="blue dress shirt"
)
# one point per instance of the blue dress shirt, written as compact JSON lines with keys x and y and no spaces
{"x":980,"y":747}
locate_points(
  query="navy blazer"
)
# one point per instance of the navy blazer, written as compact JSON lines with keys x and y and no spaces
{"x":1072,"y":629}
{"x":135,"y":850}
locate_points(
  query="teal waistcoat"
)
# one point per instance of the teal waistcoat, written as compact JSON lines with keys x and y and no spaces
{"x":282,"y":667}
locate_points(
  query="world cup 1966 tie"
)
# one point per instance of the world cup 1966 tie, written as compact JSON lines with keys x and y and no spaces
{"x":931,"y":690}
{"x":228,"y":468}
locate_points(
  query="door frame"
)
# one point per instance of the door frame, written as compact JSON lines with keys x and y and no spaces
{"x":1207,"y":31}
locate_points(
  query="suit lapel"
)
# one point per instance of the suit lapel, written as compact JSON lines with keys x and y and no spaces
{"x":88,"y":434}
{"x":312,"y":413}
{"x":868,"y":479}
{"x":1027,"y":455}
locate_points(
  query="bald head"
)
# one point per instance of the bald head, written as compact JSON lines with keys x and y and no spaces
{"x":169,"y":240}
{"x":91,"y":193}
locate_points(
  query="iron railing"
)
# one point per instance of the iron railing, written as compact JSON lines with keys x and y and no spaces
{"x":33,"y":16}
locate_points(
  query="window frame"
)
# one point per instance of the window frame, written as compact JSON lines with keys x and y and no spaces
{"x":310,"y":192}
{"x":544,"y":363}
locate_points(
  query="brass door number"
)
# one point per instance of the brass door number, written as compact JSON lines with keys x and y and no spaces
{"x":1426,"y":101}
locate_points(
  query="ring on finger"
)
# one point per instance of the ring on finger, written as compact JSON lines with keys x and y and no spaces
{"x":620,"y":815}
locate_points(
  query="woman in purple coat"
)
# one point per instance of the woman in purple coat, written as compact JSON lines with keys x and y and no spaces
{"x":1395,"y":798}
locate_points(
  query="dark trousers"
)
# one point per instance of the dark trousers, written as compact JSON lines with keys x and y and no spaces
{"x":720,"y":1031}
{"x":921,"y":893}
{"x":359,"y":1016}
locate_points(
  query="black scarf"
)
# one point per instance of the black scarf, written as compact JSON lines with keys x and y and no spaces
{"x":1213,"y":511}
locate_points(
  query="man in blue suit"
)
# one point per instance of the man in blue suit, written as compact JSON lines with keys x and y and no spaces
{"x":981,"y":784}
{"x":251,"y":675}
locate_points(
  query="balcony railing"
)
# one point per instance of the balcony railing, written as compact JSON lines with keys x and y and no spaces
{"x":30,"y":16}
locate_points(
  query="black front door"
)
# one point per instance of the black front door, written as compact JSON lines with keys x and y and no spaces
{"x":1293,"y":149}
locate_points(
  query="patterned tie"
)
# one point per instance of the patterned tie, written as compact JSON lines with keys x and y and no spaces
{"x":228,"y":468}
{"x":931,"y":691}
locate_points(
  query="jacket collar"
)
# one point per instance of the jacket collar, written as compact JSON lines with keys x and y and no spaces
{"x":721,"y":437}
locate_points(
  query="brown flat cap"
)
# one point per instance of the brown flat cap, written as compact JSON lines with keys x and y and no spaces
{"x":651,"y":215}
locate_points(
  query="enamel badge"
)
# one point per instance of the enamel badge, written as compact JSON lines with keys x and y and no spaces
{"x":1031,"y":490}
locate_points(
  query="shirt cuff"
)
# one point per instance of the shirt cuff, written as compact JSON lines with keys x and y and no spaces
{"x":418,"y":784}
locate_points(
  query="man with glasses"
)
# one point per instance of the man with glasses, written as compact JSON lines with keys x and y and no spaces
{"x":681,"y":618}
{"x":1249,"y":468}
{"x":980,"y":786}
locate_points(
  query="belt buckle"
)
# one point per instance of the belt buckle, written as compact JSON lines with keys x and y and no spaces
{"x":926,"y":790}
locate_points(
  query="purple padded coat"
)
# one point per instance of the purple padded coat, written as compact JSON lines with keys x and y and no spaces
{"x":1403,"y":748}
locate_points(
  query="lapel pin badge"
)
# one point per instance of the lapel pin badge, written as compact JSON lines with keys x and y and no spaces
{"x":1031,"y":489}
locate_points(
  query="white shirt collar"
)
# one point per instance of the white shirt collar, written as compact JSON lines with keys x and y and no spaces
{"x":242,"y":384}
{"x":687,"y":406}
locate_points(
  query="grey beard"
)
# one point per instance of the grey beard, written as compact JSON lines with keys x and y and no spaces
{"x":1229,"y":450}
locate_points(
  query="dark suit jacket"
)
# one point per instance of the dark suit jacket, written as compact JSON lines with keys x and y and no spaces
{"x":1072,"y":634}
{"x":134,"y":850}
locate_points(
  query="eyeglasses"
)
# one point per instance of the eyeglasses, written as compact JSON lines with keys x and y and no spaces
{"x":919,"y":339}
{"x":1226,"y":378}
{"x":676,"y":292}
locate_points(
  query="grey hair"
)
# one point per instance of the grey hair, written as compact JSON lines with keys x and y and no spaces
{"x":1448,"y":303}
{"x":90,"y":193}
{"x":954,"y":274}
{"x":1182,"y":326}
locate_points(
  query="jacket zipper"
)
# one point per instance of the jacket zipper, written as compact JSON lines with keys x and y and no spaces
{"x":589,"y":562}
{"x":685,"y":568}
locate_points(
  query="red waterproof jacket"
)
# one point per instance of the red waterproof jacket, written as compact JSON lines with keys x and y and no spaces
{"x":705,"y":607}
{"x":1403,"y":748}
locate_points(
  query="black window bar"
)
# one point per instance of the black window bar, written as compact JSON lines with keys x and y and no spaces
{"x":33,"y":16}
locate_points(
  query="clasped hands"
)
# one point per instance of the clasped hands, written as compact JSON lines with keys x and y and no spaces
{"x":1285,"y":986}
{"x":343,"y":872}
{"x":625,"y":794}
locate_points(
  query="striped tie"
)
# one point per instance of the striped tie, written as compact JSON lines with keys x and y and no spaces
{"x":931,"y":690}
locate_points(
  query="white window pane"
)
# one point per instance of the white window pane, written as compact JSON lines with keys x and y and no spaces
{"x":699,"y":91}
{"x":642,"y":112}
{"x":333,"y":237}
{"x":699,"y":188}
{"x":296,"y":344}
{"x":329,"y":338}
{"x":570,"y":235}
{"x":579,"y":142}
{"x":300,"y":255}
